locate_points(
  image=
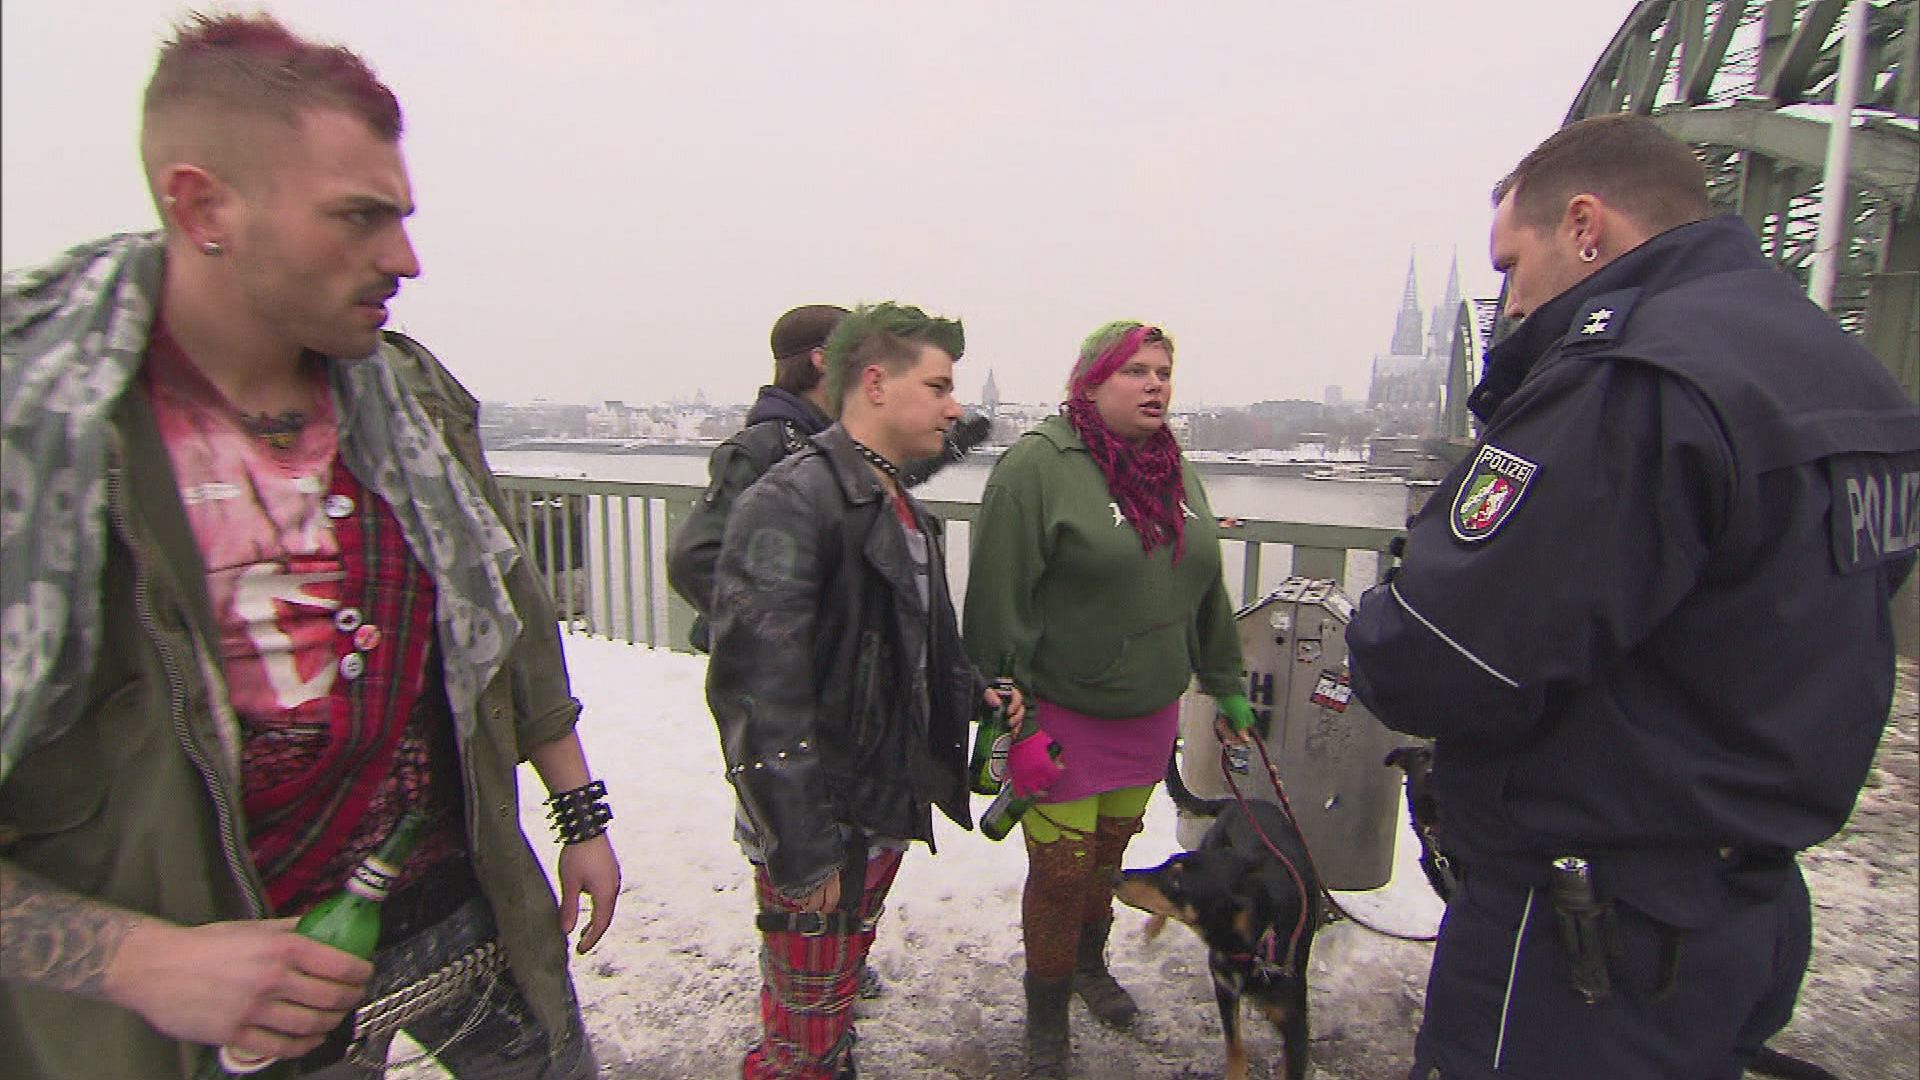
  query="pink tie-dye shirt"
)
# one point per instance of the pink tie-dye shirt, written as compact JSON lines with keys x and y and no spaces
{"x":259,"y":516}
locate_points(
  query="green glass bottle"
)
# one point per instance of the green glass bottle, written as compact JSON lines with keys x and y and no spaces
{"x":349,"y":920}
{"x":1006,"y":809}
{"x":988,"y":768}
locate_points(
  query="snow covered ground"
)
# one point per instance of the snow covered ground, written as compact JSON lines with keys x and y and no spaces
{"x":670,"y":993}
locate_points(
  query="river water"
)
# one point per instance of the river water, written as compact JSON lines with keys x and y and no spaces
{"x":604,"y":594}
{"x":1275,"y":498}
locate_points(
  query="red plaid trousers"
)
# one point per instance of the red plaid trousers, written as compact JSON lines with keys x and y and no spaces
{"x":808,"y":984}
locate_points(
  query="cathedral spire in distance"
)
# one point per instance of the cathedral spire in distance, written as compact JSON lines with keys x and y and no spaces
{"x":1406,"y":326}
{"x":1440,"y":326}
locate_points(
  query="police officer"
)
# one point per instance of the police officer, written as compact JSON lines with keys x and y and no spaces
{"x":1647,"y":624}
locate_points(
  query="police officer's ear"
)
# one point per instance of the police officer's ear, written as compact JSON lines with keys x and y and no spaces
{"x":1601,"y":233}
{"x":1584,"y":223}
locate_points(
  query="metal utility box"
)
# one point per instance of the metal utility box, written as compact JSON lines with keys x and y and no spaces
{"x":1328,"y":749}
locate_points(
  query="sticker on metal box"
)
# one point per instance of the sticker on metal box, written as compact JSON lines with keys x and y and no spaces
{"x":1333,"y":691}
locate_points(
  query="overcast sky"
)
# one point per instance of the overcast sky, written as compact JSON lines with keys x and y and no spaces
{"x":618,"y":198}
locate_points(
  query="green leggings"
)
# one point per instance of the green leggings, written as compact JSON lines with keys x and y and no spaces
{"x":1046,"y":822}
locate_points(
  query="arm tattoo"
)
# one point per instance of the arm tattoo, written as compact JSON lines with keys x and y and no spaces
{"x":56,"y":939}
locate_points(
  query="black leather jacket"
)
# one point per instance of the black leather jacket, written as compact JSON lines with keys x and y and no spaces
{"x":826,"y":723}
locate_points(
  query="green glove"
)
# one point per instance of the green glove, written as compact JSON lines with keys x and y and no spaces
{"x":1238,"y":713}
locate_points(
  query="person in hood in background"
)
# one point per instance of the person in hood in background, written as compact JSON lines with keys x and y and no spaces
{"x":785,"y":415}
{"x":783,"y":418}
{"x":1096,"y":573}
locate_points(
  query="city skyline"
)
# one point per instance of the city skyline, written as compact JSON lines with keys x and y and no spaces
{"x":1414,"y":325}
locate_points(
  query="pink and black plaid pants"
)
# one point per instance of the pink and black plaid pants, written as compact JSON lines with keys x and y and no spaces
{"x":808,"y":983}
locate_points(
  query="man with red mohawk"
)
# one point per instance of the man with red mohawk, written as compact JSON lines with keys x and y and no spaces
{"x":260,"y":601}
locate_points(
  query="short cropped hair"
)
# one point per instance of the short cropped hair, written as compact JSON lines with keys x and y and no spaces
{"x":219,"y":70}
{"x":888,"y":334}
{"x":795,"y":335}
{"x":1626,"y":161}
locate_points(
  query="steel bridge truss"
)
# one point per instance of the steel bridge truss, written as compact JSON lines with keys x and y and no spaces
{"x":1750,"y":84}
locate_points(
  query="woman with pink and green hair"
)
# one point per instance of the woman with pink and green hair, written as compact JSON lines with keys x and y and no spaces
{"x":1096,"y":572}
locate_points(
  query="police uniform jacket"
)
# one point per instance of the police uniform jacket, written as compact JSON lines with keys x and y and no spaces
{"x":1648,"y":620}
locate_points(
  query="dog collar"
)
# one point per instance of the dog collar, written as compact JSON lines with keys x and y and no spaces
{"x":1264,"y":960}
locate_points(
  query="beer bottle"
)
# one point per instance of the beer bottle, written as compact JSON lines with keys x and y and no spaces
{"x":988,"y":768}
{"x":349,"y":920}
{"x":1005,"y":811}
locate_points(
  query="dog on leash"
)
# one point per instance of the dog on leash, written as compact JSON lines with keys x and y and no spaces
{"x":1249,"y":890}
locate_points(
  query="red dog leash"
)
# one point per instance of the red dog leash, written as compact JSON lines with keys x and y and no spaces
{"x":1286,"y":808}
{"x":1299,"y":882}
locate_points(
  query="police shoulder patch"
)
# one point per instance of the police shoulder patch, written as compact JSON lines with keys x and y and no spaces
{"x":1490,"y":493}
{"x":1602,"y":319}
{"x":1876,"y":508}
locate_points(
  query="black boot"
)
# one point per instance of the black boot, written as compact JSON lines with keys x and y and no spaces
{"x":1048,"y":1042}
{"x":1106,"y":999}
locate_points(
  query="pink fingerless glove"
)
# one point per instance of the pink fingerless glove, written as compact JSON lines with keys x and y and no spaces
{"x":1032,"y":764}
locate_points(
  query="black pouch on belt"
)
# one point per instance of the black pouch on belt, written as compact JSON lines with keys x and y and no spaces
{"x":1587,"y":928}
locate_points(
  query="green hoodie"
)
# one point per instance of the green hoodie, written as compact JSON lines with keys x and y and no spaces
{"x":1059,"y":581}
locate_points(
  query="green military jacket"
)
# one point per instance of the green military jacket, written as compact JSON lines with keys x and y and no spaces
{"x":134,"y":804}
{"x":1059,"y":582}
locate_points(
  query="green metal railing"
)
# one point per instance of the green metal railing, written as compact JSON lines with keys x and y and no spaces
{"x":602,"y":547}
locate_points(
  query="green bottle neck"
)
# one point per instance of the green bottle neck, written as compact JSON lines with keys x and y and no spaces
{"x":374,"y":877}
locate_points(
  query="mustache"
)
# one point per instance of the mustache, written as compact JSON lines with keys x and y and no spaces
{"x":381,"y":293}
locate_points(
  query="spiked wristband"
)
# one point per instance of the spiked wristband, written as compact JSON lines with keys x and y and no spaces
{"x":581,"y":814}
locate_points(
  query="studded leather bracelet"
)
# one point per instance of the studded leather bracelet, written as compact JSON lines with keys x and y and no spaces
{"x":580,"y":814}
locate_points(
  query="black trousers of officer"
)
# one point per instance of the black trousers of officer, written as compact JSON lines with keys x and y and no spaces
{"x":1501,"y":1003}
